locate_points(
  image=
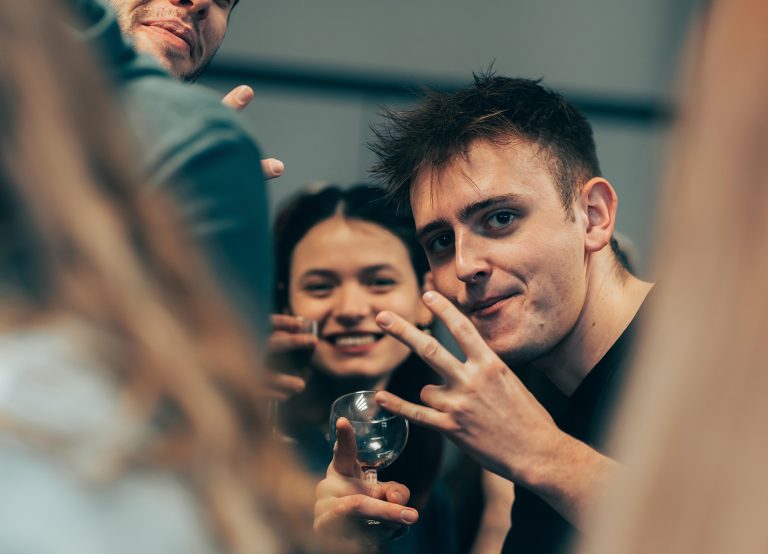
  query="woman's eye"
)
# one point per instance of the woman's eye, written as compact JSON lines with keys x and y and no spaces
{"x":440,"y":243}
{"x":382,"y":282}
{"x":500,"y":220}
{"x":318,"y":289}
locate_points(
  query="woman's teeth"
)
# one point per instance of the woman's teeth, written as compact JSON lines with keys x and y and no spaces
{"x":355,"y":340}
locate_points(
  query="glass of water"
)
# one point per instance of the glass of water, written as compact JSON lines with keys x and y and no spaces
{"x":380,"y":435}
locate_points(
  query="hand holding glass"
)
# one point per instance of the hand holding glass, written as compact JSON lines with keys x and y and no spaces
{"x":287,"y":358}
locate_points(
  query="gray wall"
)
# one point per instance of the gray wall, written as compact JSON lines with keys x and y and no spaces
{"x":603,"y":48}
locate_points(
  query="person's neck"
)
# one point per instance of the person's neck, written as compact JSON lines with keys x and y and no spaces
{"x":612,"y":301}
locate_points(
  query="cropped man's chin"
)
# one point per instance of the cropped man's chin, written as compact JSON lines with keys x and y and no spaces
{"x":170,"y":61}
{"x":175,"y":66}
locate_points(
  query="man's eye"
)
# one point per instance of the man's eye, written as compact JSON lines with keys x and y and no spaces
{"x":440,"y":243}
{"x":500,"y":220}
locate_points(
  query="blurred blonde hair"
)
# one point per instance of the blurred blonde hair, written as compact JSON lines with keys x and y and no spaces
{"x":694,"y":422}
{"x":82,"y":241}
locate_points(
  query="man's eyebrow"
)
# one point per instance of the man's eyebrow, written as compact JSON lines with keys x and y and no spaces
{"x":430,"y":228}
{"x":466,"y":213}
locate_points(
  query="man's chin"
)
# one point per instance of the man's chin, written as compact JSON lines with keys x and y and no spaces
{"x":178,"y":65}
{"x":514,"y":350}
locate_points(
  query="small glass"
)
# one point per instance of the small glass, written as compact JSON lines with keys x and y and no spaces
{"x":291,"y":362}
{"x":380,"y":436}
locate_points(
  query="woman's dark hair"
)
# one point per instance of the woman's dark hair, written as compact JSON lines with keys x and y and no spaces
{"x":418,"y":465}
{"x":363,"y":202}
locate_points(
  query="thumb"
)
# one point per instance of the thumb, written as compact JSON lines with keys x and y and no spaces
{"x":238,"y":98}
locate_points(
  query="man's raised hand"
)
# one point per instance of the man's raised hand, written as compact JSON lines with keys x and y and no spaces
{"x":238,"y":99}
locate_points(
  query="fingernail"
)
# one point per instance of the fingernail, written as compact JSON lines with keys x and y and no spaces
{"x":409,"y":516}
{"x":385,"y":319}
{"x":243,"y":94}
{"x":429,"y":297}
{"x":277,"y":167}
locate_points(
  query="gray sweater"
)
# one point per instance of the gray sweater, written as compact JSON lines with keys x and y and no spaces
{"x":200,"y":150}
{"x":59,"y":497}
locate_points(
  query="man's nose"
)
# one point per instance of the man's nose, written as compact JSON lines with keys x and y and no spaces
{"x":199,"y":8}
{"x":472,"y":265}
{"x":352,"y":306}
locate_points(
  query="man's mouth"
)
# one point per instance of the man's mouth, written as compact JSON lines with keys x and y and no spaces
{"x":488,"y":306}
{"x":175,"y":32}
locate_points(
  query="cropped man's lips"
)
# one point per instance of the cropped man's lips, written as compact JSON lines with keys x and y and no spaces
{"x":176,"y":28}
{"x":487,"y":306}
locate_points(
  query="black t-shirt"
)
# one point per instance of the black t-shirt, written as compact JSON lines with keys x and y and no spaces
{"x":536,"y":527}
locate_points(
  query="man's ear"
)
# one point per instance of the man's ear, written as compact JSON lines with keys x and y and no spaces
{"x":598,"y":201}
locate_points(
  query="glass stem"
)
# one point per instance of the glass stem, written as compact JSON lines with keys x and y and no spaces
{"x":273,"y":415}
{"x":371,"y":477}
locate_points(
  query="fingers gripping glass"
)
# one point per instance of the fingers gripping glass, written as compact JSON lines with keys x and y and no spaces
{"x":380,"y":436}
{"x":292,"y":362}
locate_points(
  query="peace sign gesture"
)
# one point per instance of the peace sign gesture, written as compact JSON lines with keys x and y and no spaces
{"x":486,"y":410}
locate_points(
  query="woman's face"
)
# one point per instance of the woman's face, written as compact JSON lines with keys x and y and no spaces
{"x":343,"y":273}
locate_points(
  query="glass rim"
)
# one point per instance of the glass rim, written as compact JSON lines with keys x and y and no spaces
{"x":366,"y":392}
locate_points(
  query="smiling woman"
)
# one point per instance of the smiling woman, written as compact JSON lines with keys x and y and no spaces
{"x":342,"y":257}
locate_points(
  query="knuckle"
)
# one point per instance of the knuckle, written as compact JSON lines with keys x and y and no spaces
{"x":430,"y":348}
{"x":464,"y":327}
{"x":347,"y":504}
{"x":418,"y":415}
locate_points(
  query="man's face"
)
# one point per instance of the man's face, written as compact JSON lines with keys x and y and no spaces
{"x":182,"y":34}
{"x":502,"y":248}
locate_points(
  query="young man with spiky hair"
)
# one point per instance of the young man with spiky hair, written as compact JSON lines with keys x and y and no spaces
{"x":509,"y":203}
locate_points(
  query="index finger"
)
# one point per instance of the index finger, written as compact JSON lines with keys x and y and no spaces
{"x":345,"y":450}
{"x":466,"y":334}
{"x":425,"y":346}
